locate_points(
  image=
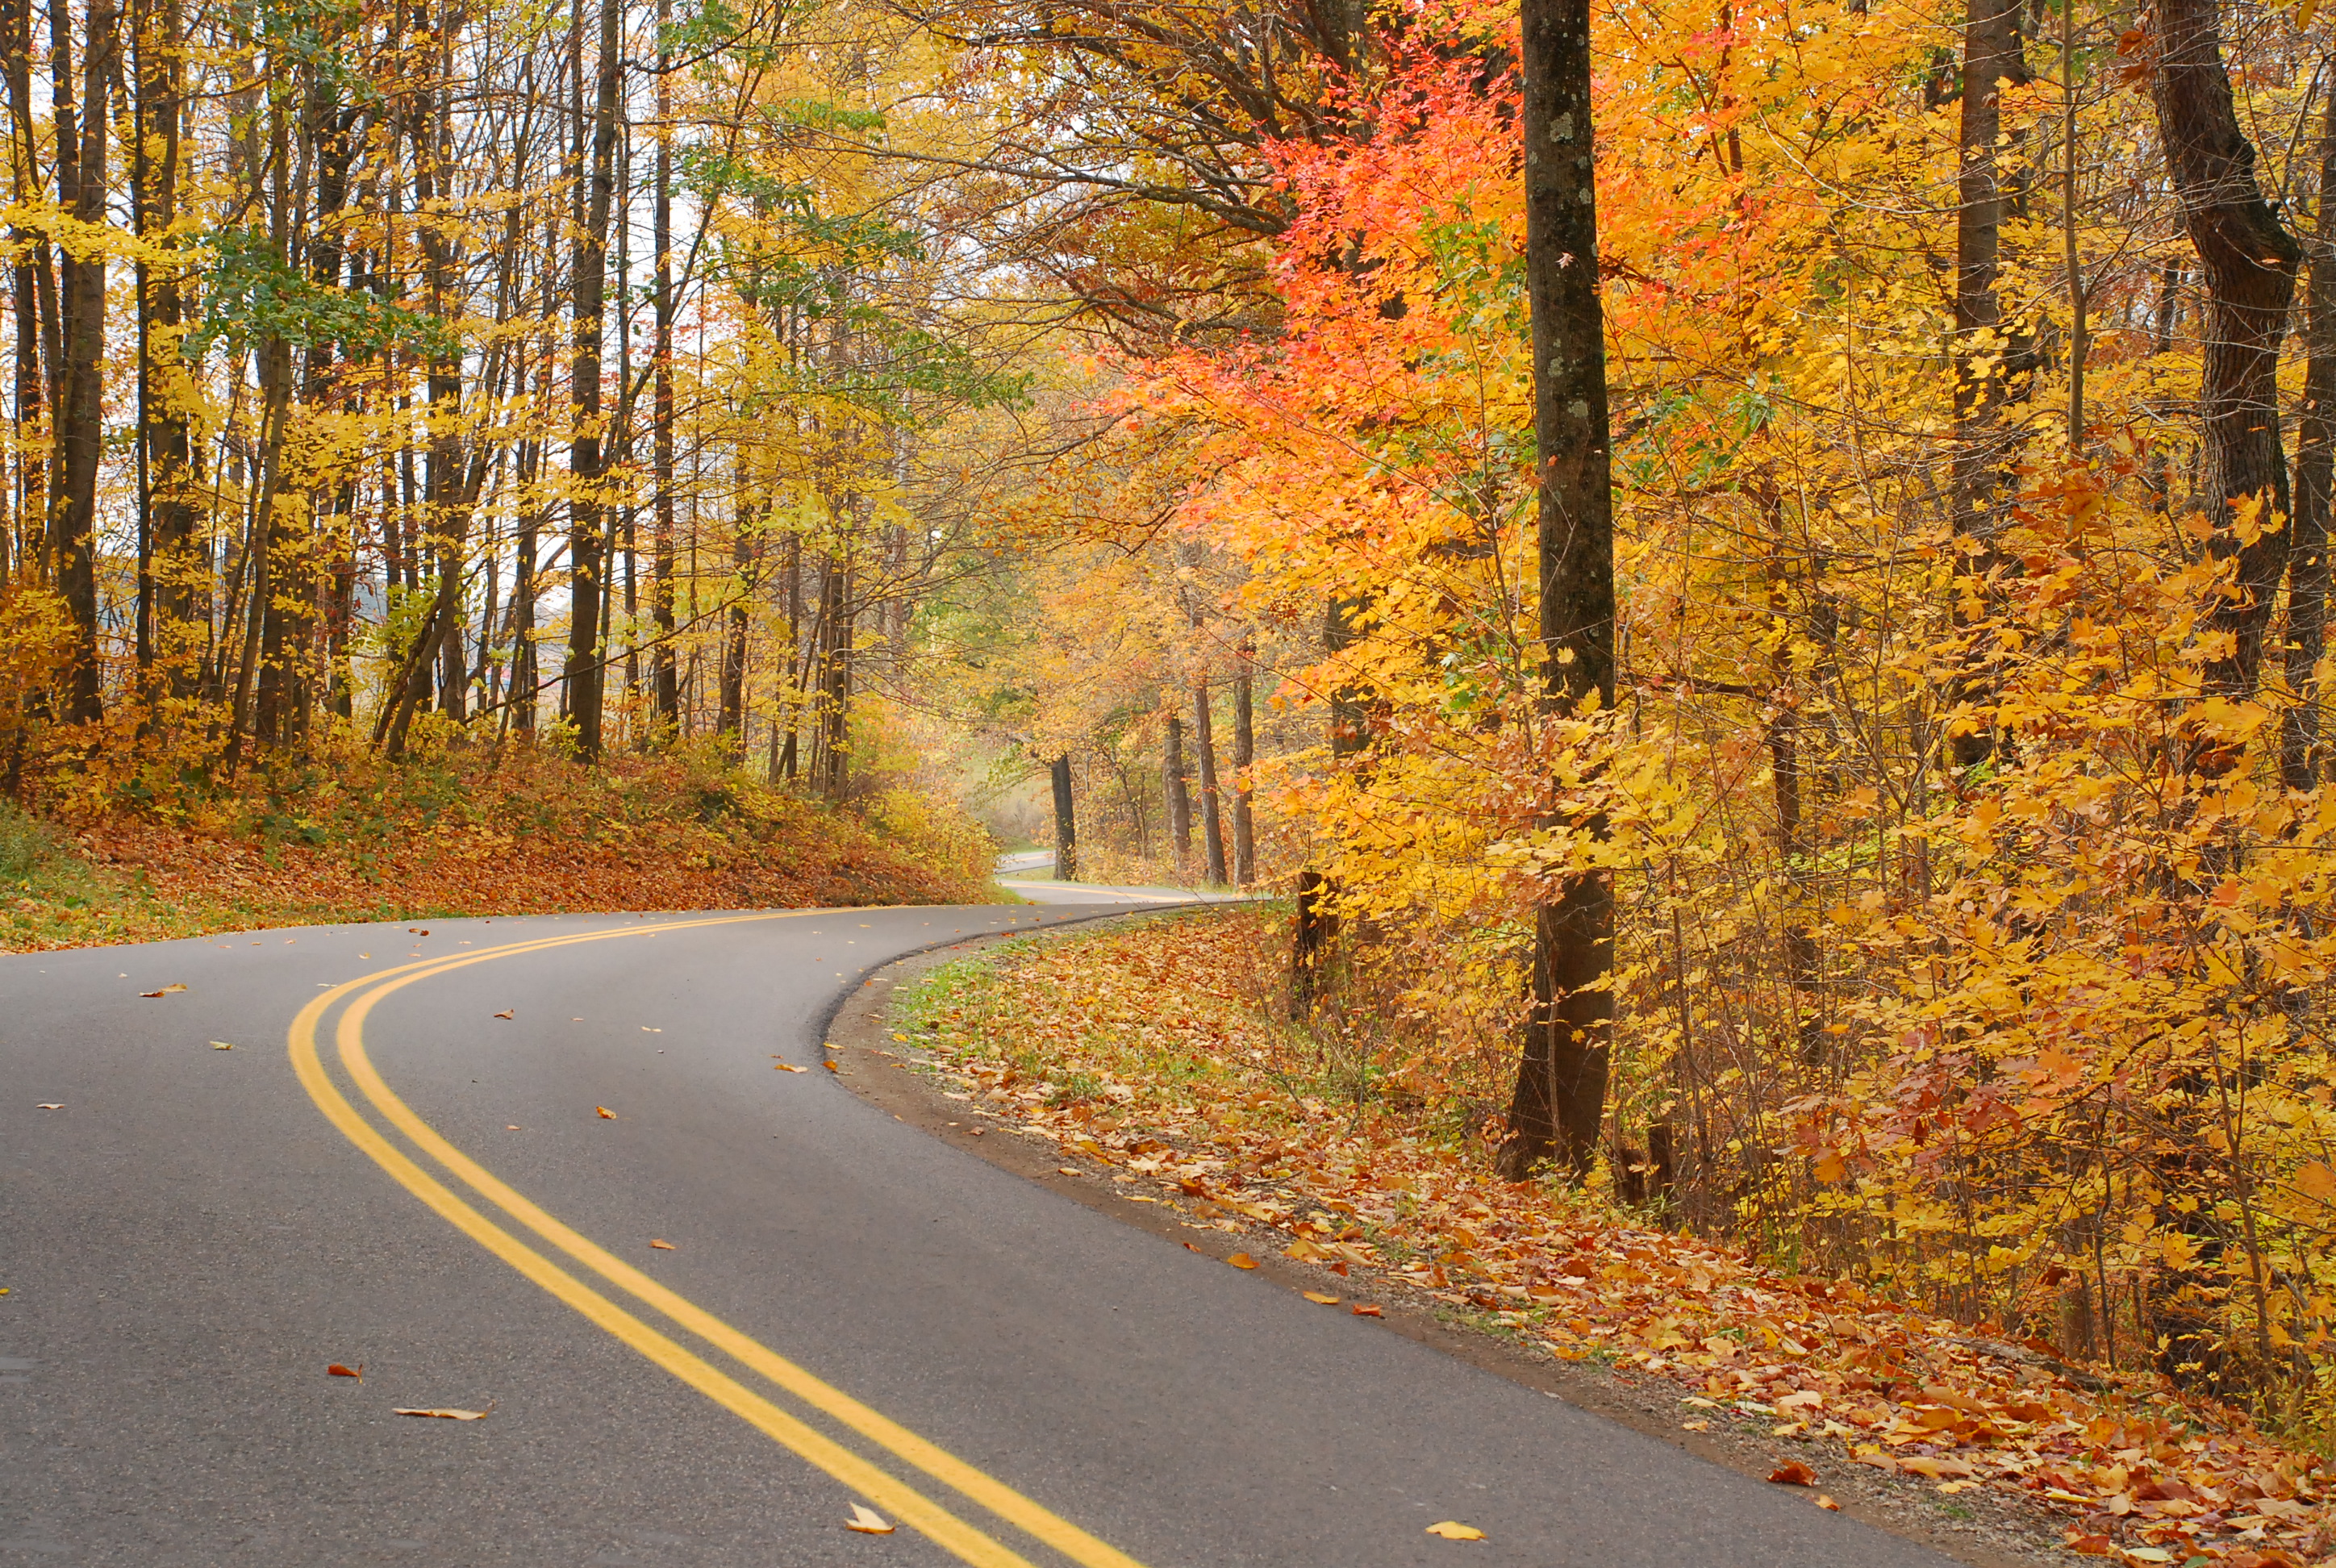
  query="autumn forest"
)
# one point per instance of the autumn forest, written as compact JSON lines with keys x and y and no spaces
{"x":1751,"y":577}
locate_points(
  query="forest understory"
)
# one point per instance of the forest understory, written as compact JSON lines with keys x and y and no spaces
{"x":515,"y":830}
{"x":1160,"y":1056}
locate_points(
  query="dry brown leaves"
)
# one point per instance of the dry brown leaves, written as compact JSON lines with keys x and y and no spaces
{"x":1134,"y":1050}
{"x":528,"y":836}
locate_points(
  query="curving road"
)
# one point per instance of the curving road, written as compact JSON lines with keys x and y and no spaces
{"x":384,"y":1170}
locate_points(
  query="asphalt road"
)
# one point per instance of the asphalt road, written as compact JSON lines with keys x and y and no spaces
{"x":385,"y":1172}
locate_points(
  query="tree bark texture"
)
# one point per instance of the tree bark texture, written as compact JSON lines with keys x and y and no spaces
{"x":1245,"y":757}
{"x":1212,"y":827}
{"x":587,"y":541}
{"x":1180,"y":798}
{"x":1560,"y":1097}
{"x":1067,"y":826}
{"x":2248,"y":261}
{"x":665,"y":697}
{"x":1984,"y":352}
{"x":2316,"y":469}
{"x":80,"y":421}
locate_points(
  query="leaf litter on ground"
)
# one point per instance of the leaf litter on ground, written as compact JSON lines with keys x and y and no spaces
{"x":1141,"y":1051}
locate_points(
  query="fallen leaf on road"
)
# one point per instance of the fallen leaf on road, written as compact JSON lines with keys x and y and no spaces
{"x":788,"y":1067}
{"x":1369,"y":1309}
{"x":1066,"y":1170}
{"x":606,"y":1114}
{"x":2084,"y":1545}
{"x":221,"y":1046}
{"x":831,"y":1066}
{"x":448,"y":1415}
{"x":166,"y":990}
{"x":1826,"y":1503}
{"x":1453,"y":1530}
{"x":506,"y":1012}
{"x":1241,"y":1260}
{"x":1793,"y":1473}
{"x":868,"y":1521}
{"x":1320,"y":1300}
{"x":50,"y":1107}
{"x":511,"y":1127}
{"x":337,"y":1370}
{"x":900,"y":1036}
{"x":646,"y":1030}
{"x":660,"y":1246}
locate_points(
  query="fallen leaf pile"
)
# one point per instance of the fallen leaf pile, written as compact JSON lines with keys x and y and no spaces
{"x":477,"y":832}
{"x":1137,"y":1050}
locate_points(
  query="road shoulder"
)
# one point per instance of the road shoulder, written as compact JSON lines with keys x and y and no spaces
{"x":882,"y":1066}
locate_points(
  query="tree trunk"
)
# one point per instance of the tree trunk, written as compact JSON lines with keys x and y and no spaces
{"x":80,"y":433}
{"x":31,"y":268}
{"x":2315,"y":467}
{"x":663,"y":675}
{"x":1244,"y":756}
{"x":584,"y":678}
{"x":1066,"y":827}
{"x":834,"y":738}
{"x":1984,"y":354}
{"x":784,"y":762}
{"x":163,"y":391}
{"x":1179,"y":798}
{"x":1204,"y":745}
{"x":1560,"y":1097}
{"x":2250,"y":261}
{"x":736,"y":625}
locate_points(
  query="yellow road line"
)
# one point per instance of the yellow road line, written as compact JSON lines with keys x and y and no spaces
{"x":995,"y":1496}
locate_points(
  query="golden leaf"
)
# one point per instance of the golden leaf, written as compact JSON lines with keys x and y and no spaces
{"x":1453,"y":1530}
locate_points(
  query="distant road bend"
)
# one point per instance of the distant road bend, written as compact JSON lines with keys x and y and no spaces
{"x":401,"y":1165}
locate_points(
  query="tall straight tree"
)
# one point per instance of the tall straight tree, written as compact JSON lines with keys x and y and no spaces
{"x":169,"y":513}
{"x":588,"y":535}
{"x":1067,"y":825}
{"x":1984,"y":352}
{"x":81,"y":144}
{"x":1560,"y":1097}
{"x":664,"y":672}
{"x":2315,"y":478}
{"x":1244,"y":758}
{"x":1204,"y":746}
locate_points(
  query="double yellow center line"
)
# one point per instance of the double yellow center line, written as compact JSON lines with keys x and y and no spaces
{"x":863,"y":1477}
